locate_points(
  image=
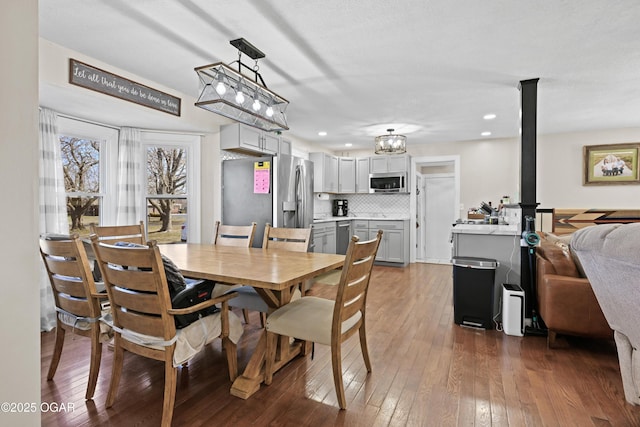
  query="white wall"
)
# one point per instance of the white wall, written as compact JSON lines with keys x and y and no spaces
{"x":560,"y":179}
{"x":490,"y":169}
{"x":19,"y":258}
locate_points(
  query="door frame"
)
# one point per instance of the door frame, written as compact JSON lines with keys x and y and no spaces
{"x":429,"y":161}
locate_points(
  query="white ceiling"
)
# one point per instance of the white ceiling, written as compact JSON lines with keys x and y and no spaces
{"x":354,"y":68}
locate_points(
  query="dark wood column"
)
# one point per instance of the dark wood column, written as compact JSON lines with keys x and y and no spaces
{"x":528,"y":203}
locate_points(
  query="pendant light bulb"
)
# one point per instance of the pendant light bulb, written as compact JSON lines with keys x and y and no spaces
{"x":240,"y":97}
{"x":221,"y":89}
{"x":256,"y":105}
{"x":269,"y":111}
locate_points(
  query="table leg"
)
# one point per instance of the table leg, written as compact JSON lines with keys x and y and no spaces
{"x":249,"y":382}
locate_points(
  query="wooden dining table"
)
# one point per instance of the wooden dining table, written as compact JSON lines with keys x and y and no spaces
{"x":273,"y":273}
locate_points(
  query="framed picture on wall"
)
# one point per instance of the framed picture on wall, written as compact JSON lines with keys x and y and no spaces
{"x":613,"y":164}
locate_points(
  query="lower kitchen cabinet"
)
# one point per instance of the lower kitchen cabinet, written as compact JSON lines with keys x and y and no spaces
{"x":324,"y":237}
{"x":394,"y":246}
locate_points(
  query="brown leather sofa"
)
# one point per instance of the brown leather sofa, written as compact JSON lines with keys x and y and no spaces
{"x":566,"y":301}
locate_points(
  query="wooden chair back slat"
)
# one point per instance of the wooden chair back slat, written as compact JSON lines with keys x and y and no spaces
{"x":111,"y":234}
{"x":147,"y":303}
{"x":288,"y":239}
{"x":79,"y":307}
{"x":234,"y":235}
{"x":142,"y":281}
{"x":67,"y":285}
{"x":143,"y":324}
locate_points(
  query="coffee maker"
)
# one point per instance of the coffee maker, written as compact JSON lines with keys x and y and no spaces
{"x":340,"y":207}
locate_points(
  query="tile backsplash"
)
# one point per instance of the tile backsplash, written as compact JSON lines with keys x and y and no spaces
{"x":365,"y":204}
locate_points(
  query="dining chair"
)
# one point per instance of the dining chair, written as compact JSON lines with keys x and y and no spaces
{"x":328,"y":322}
{"x":120,"y":233}
{"x":239,"y":236}
{"x":76,"y":298}
{"x":287,"y":239}
{"x":143,"y":319}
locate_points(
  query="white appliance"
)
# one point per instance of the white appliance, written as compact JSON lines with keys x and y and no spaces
{"x":513,"y":310}
{"x":277,"y":190}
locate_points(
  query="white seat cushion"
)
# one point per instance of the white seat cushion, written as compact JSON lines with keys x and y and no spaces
{"x":248,"y":298}
{"x":190,"y":340}
{"x":308,"y":318}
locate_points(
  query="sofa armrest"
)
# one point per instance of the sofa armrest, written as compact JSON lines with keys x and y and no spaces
{"x":568,"y":305}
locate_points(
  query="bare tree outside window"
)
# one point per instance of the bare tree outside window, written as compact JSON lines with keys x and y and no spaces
{"x":81,"y":168}
{"x":166,"y":176}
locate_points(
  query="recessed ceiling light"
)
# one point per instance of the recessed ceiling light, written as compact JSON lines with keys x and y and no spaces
{"x":489,"y":116}
{"x":322,"y":133}
{"x":485,"y":133}
{"x":348,"y":144}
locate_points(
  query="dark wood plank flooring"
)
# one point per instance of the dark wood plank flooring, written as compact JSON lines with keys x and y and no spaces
{"x":427,"y":371}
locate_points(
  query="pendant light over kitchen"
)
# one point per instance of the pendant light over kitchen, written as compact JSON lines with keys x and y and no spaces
{"x":232,"y":94}
{"x":391,"y":144}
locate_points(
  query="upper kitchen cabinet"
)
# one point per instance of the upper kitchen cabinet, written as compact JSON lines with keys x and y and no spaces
{"x":392,"y":163}
{"x":285,"y":146}
{"x":362,"y":175}
{"x":325,"y":172}
{"x":346,"y":175}
{"x":246,"y":139}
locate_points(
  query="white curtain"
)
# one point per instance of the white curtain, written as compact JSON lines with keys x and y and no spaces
{"x":53,"y":204}
{"x":129,"y":177}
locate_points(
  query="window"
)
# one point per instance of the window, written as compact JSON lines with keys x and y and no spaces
{"x":171,"y":187}
{"x":86,"y":153}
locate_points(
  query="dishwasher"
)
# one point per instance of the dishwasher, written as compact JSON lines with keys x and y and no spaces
{"x":343,"y":236}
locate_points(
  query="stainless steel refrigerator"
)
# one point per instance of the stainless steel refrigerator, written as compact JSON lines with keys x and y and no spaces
{"x":277,"y":190}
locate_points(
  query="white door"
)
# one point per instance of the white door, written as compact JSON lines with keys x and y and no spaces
{"x":439,"y":197}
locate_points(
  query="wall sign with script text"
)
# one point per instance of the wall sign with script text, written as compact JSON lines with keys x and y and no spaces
{"x":87,"y":76}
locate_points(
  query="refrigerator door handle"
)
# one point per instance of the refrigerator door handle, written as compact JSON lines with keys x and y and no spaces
{"x":299,"y":190}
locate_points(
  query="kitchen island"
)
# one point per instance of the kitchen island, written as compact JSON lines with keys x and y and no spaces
{"x":497,"y":242}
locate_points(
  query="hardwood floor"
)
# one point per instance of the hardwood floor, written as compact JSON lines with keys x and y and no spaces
{"x":427,"y":371}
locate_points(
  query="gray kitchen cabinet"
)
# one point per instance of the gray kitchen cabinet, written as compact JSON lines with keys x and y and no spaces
{"x":362,"y":175}
{"x":346,"y":175}
{"x":246,"y":139}
{"x":391,"y":163}
{"x":285,"y":146}
{"x":325,"y":172}
{"x":394,"y":246}
{"x":324,"y":237}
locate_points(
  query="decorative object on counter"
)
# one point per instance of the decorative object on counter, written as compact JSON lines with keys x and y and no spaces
{"x":232,"y":94}
{"x":391,"y":144}
{"x":613,"y":164}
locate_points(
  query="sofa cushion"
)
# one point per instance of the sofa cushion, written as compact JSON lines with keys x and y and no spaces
{"x":560,"y":259}
{"x":564,"y":242}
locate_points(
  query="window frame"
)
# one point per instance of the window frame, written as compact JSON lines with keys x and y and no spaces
{"x":191,"y":143}
{"x":108,"y":139}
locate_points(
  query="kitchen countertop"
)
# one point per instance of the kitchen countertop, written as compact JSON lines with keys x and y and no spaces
{"x":497,"y":229}
{"x":389,"y":217}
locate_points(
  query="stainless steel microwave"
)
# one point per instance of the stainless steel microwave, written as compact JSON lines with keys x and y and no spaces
{"x":391,"y":182}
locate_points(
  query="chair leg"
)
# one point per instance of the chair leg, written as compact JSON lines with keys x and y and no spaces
{"x":336,"y":363}
{"x":116,"y":371}
{"x":231,"y":350}
{"x":245,"y":314}
{"x":364,"y":347}
{"x":170,"y":383}
{"x":57,"y":351}
{"x":270,"y":357}
{"x":263,"y":319}
{"x":96,"y":356}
